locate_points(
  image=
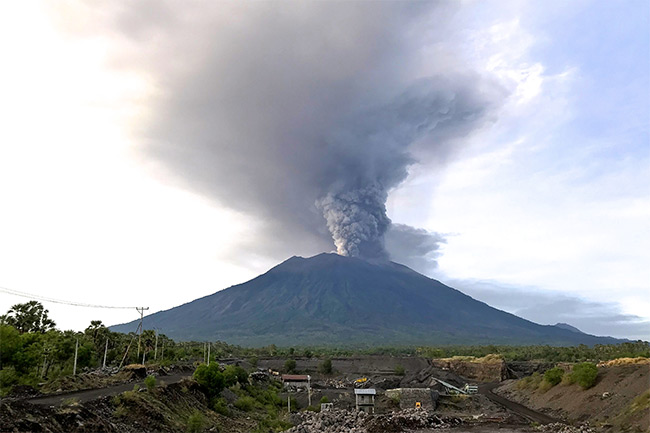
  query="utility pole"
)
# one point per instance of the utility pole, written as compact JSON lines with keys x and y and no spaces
{"x":76,"y":350}
{"x":289,"y":403}
{"x":105,"y":352}
{"x":155,"y":348}
{"x":141,"y":311}
{"x":309,"y":388}
{"x":209,"y":344}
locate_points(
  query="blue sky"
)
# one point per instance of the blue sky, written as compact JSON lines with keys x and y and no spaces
{"x":543,"y":208}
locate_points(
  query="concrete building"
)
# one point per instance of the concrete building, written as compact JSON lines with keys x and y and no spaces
{"x":365,"y":399}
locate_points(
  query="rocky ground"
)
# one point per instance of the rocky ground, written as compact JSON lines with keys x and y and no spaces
{"x":336,"y":421}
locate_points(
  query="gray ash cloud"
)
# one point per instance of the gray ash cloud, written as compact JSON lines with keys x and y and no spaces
{"x":301,"y":114}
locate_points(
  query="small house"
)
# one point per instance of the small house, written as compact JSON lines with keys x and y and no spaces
{"x":295,"y":381}
{"x":365,"y":399}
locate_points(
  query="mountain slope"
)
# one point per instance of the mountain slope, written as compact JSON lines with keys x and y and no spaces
{"x":331,"y":299}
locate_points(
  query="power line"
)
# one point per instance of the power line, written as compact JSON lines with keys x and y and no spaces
{"x":59,"y":301}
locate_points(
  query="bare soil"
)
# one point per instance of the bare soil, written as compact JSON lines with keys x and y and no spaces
{"x":608,"y":403}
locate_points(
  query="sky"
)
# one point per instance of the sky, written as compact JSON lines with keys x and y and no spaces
{"x":155,"y":152}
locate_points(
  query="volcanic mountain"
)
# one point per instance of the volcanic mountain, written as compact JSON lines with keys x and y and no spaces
{"x":330,"y":299}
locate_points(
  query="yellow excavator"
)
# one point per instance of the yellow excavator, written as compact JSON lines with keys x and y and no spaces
{"x":360,"y":380}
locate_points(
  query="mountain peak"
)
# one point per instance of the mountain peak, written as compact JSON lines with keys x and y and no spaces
{"x":329,"y":299}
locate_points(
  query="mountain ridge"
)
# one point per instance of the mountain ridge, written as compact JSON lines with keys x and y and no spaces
{"x":330,"y":299}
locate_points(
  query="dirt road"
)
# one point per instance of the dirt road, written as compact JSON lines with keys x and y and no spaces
{"x":91,"y":394}
{"x":522,"y":410}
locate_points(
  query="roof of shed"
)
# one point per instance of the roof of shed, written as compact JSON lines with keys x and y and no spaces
{"x":364,"y":391}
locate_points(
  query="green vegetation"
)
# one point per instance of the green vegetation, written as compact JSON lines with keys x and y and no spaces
{"x":33,"y":351}
{"x":581,"y":353}
{"x":324,"y":399}
{"x":211,"y":378}
{"x":530,"y":382}
{"x":245,"y":403}
{"x":221,"y":406}
{"x":290,"y":365}
{"x":234,"y":374}
{"x":399,"y":370}
{"x":28,"y":317}
{"x":195,"y":422}
{"x":150,"y":382}
{"x":584,"y":374}
{"x":554,"y":375}
{"x":325,"y":367}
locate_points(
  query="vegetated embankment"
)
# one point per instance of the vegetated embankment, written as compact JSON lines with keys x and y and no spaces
{"x":618,"y":400}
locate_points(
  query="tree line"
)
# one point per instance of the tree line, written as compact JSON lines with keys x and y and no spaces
{"x":33,"y":350}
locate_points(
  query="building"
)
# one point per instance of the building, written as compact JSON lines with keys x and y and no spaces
{"x":365,"y":399}
{"x":295,"y":381}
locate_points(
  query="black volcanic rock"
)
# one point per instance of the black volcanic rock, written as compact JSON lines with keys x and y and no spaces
{"x":334,"y":300}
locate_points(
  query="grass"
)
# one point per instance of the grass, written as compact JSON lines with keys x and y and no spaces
{"x":70,"y":402}
{"x":487,"y":359}
{"x":150,"y":382}
{"x":624,"y":361}
{"x":195,"y":422}
{"x":245,"y":403}
{"x":530,"y":382}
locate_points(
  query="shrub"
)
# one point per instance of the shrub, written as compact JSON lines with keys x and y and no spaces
{"x":324,"y":399}
{"x":399,"y":370}
{"x":290,"y":365}
{"x":150,"y":382}
{"x":210,"y":377}
{"x":585,"y":374}
{"x":235,"y":374}
{"x":120,"y":412}
{"x":8,"y":378}
{"x":245,"y":403}
{"x":325,"y":367}
{"x":195,"y":422}
{"x":221,"y":406}
{"x":553,"y":376}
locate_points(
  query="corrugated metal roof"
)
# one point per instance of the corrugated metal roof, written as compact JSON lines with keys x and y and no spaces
{"x":295,"y":377}
{"x":363,"y":391}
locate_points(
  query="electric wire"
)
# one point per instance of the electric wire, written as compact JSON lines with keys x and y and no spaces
{"x":60,"y":301}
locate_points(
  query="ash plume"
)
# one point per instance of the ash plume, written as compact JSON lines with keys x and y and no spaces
{"x":357,"y":220}
{"x":304,"y":115}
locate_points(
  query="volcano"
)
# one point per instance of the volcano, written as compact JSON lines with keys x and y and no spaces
{"x":330,"y":299}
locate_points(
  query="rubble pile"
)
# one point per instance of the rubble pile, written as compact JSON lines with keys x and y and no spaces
{"x":558,"y":427}
{"x":334,"y":383}
{"x":360,"y":422}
